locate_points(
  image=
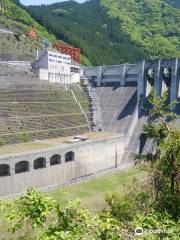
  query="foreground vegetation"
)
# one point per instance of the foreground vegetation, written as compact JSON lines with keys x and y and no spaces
{"x":91,"y":194}
{"x":148,"y":210}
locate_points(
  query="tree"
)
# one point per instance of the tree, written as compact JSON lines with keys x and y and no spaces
{"x":40,"y":217}
{"x":29,"y":212}
{"x":165,"y":158}
{"x":17,"y":2}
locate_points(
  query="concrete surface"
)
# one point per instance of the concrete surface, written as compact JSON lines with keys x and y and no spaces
{"x":97,"y":154}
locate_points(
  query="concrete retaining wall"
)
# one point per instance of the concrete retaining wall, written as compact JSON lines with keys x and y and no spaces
{"x":90,"y":158}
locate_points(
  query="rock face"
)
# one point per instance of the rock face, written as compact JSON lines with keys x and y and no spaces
{"x":15,"y":49}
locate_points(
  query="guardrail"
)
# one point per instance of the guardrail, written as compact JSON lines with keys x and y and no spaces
{"x":21,"y":64}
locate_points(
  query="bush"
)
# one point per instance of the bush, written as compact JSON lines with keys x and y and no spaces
{"x":2,"y":142}
{"x":121,"y":207}
{"x":24,"y":137}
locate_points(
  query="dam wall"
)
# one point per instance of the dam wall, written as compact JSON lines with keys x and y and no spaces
{"x":161,"y":74}
{"x":117,"y":106}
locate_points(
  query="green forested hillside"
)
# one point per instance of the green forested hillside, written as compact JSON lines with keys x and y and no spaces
{"x":89,"y":27}
{"x":18,"y":46}
{"x":115,"y":31}
{"x":19,"y":20}
{"x":153,"y":25}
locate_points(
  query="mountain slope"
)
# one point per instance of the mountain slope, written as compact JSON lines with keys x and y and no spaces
{"x":20,"y":21}
{"x":152,"y":24}
{"x":18,"y":46}
{"x":115,"y":31}
{"x":89,"y":27}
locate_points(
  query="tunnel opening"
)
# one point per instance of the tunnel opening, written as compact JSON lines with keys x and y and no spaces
{"x":21,"y":167}
{"x":166,"y":84}
{"x":167,"y":76}
{"x":150,"y":76}
{"x":69,"y":156}
{"x":4,"y":170}
{"x":148,"y":88}
{"x":150,"y":81}
{"x":39,"y":163}
{"x":55,"y":160}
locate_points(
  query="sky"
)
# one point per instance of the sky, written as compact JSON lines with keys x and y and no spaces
{"x":38,"y":2}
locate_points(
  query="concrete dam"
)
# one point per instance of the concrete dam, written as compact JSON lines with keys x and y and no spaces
{"x":117,"y":106}
{"x":116,"y":97}
{"x":120,"y":93}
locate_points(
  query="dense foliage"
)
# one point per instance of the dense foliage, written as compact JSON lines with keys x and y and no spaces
{"x":165,"y":158}
{"x":37,"y":216}
{"x":115,"y":31}
{"x":153,"y":25}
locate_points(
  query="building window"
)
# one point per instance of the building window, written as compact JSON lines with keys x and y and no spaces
{"x":75,"y":70}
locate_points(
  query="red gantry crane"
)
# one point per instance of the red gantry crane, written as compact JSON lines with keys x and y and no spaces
{"x":32,"y":33}
{"x":69,"y":50}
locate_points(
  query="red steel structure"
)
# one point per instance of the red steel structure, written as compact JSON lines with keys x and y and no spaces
{"x":69,"y":50}
{"x":32,"y":33}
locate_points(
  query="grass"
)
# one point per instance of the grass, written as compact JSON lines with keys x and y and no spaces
{"x":30,"y":146}
{"x":92,"y":193}
{"x":23,"y":147}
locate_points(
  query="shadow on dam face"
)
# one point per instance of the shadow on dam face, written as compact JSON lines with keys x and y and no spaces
{"x":117,"y":104}
{"x":129,"y":107}
{"x":116,"y":85}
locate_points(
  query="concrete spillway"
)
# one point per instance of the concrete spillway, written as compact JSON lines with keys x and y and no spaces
{"x":117,"y":105}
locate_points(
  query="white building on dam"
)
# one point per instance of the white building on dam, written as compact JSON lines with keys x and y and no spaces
{"x":56,"y":67}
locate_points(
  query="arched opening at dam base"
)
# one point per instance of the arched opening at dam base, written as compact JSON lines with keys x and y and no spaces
{"x":55,"y":160}
{"x":21,"y":167}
